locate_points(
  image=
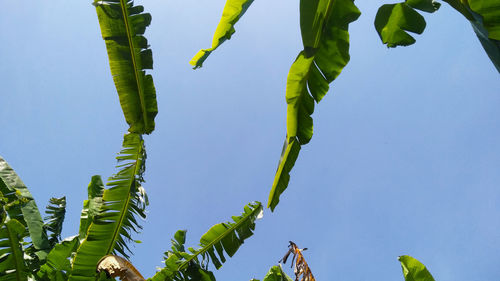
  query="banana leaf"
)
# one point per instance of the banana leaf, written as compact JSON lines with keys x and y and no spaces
{"x":12,"y":264}
{"x":233,"y":11}
{"x":58,"y":266}
{"x":324,"y":28}
{"x":91,"y":206}
{"x":56,"y":210}
{"x":26,"y":212}
{"x":123,"y":201}
{"x":413,"y":270}
{"x":220,"y":239}
{"x":122,"y":27}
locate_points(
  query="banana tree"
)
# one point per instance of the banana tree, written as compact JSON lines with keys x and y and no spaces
{"x":324,"y":29}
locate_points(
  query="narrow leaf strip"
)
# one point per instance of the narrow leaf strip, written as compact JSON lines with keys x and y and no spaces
{"x":56,"y":211}
{"x":233,"y":11}
{"x":122,"y":202}
{"x":324,"y":26}
{"x":413,"y":270}
{"x":122,"y":27}
{"x":91,"y":206}
{"x":288,"y":157}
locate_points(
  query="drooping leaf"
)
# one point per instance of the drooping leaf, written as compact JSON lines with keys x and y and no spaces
{"x":489,"y":10}
{"x":484,"y":16}
{"x":122,"y":27}
{"x":220,"y":239}
{"x":122,"y":202}
{"x":413,"y":270}
{"x":233,"y":11}
{"x":26,"y":211}
{"x":56,"y":210}
{"x":289,"y":155}
{"x":91,"y":206}
{"x":12,"y":264}
{"x":393,"y":20}
{"x":58,"y":266}
{"x":324,"y":27}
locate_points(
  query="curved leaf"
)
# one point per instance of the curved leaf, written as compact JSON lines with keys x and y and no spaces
{"x":413,"y":270}
{"x":122,"y":26}
{"x":288,"y":157}
{"x":233,"y":11}
{"x":26,"y":212}
{"x":122,"y":202}
{"x":56,"y":210}
{"x":393,"y":20}
{"x":490,"y":13}
{"x":12,"y":266}
{"x":220,"y":239}
{"x":324,"y":26}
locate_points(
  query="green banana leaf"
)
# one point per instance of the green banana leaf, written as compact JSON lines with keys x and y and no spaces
{"x":486,"y":24}
{"x":287,"y":160}
{"x":12,"y":264}
{"x":233,"y":11}
{"x":324,"y":27}
{"x":58,"y":265}
{"x":26,"y":212}
{"x":122,"y":202}
{"x":276,"y":273}
{"x":394,"y":20}
{"x":91,"y":206}
{"x":220,"y":239}
{"x":122,"y":27}
{"x":56,"y":210}
{"x":413,"y":270}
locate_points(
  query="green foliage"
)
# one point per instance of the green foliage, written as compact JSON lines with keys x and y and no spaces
{"x":324,"y":26}
{"x":124,"y":199}
{"x":122,"y":26}
{"x":413,"y":270}
{"x":91,"y":206}
{"x":56,"y":210}
{"x":276,"y":274}
{"x":58,"y":264}
{"x":22,"y":207}
{"x":219,"y":239}
{"x":233,"y":11}
{"x":12,"y":263}
{"x":393,"y":20}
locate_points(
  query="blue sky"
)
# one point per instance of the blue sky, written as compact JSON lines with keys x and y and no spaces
{"x":404,"y":157}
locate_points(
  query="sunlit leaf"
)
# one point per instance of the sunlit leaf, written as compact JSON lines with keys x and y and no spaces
{"x":413,"y":270}
{"x":122,"y":27}
{"x":233,"y":11}
{"x":122,"y":202}
{"x":324,"y":27}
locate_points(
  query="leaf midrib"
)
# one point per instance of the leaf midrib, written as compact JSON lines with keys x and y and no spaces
{"x":123,"y":5}
{"x":116,"y":233}
{"x":220,"y":237}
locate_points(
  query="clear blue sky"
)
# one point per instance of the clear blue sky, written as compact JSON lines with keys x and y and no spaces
{"x":404,"y":159}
